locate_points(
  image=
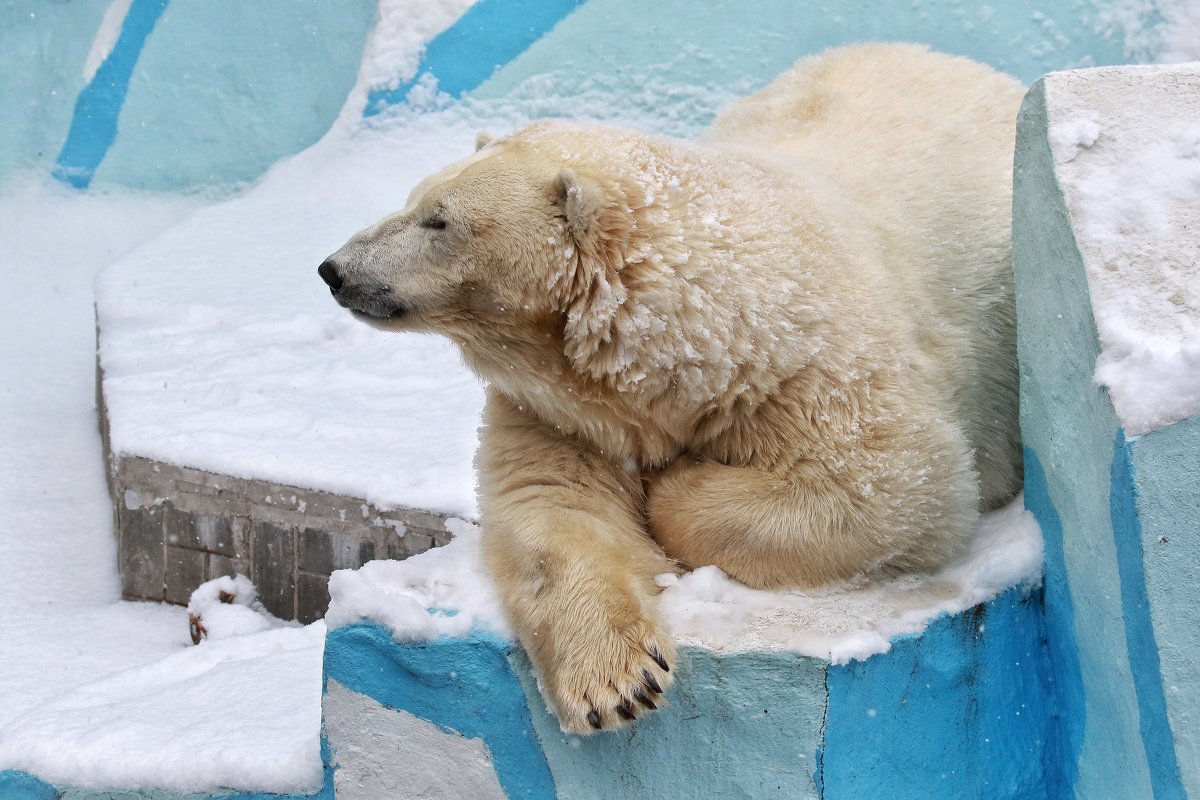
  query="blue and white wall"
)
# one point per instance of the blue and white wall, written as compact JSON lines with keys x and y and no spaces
{"x":1120,"y":513}
{"x":185,"y":94}
{"x":181,"y":94}
{"x":953,"y":710}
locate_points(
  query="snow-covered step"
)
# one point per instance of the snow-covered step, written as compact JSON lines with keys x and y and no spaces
{"x":251,"y":424}
{"x":1107,"y":255}
{"x":892,"y":690}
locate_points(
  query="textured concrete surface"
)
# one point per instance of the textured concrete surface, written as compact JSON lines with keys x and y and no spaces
{"x":956,"y":708}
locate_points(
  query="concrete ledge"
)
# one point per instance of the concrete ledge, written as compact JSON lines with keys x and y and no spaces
{"x":954,"y":710}
{"x":1120,"y":515}
{"x":177,"y":527}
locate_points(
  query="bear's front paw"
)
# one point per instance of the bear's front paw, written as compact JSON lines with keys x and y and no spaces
{"x":610,"y":675}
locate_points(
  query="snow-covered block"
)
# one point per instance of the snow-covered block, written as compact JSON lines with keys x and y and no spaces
{"x":251,"y":425}
{"x":893,"y":690}
{"x":1106,"y":238}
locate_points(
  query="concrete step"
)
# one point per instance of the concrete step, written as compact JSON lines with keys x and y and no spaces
{"x":956,"y":707}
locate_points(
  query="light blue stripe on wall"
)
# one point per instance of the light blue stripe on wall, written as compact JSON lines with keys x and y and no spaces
{"x":1068,"y":426}
{"x":1166,"y":470}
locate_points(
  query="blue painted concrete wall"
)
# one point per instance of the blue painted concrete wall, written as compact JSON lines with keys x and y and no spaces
{"x":42,"y":51}
{"x":1121,"y":519}
{"x":195,"y":92}
{"x":207,"y":92}
{"x":954,"y":711}
{"x":626,"y":45}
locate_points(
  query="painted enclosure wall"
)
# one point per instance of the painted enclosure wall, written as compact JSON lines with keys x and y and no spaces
{"x":179,"y":94}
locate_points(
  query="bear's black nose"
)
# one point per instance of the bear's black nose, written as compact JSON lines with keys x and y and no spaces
{"x":329,"y":274}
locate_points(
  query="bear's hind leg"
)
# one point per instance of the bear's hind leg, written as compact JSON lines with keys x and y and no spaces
{"x":803,"y":528}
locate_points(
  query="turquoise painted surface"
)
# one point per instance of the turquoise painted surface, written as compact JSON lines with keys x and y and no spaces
{"x":738,"y":726}
{"x":1166,"y":470}
{"x":463,"y":685}
{"x":225,"y":88}
{"x":736,"y":47}
{"x":43,"y":47}
{"x":16,"y":785}
{"x":1069,"y":425}
{"x":958,"y":711}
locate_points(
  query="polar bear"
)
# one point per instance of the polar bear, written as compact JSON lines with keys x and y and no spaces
{"x":786,"y":350}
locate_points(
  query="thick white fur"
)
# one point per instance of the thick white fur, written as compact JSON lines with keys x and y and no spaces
{"x":787,"y":350}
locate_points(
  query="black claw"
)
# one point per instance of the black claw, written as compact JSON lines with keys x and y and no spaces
{"x":651,"y":683}
{"x":658,"y":659}
{"x":625,"y":711}
{"x":594,"y":719}
{"x":642,"y":698}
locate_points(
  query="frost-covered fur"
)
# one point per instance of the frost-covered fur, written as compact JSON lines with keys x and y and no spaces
{"x":786,"y":350}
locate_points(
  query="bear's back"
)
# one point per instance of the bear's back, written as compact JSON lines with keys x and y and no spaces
{"x":921,"y":146}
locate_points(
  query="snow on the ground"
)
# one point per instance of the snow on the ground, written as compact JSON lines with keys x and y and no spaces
{"x":446,"y":592}
{"x":228,"y":606}
{"x":95,"y":691}
{"x":202,"y":717}
{"x":268,"y":371}
{"x":1127,"y":145}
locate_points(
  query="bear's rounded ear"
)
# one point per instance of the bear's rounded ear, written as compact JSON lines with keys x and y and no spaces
{"x":483,"y":139}
{"x":580,"y":199}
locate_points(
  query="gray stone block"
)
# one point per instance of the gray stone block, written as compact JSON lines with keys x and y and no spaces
{"x":417,"y":541}
{"x":395,"y":547}
{"x":315,"y":550}
{"x":366,"y":552}
{"x":179,"y":527}
{"x":312,"y":596}
{"x":274,"y":568}
{"x":141,"y":552}
{"x":239,"y":532}
{"x":184,"y":572}
{"x":221,"y":566}
{"x":286,"y":539}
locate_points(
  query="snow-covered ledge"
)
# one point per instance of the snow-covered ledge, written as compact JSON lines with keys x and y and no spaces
{"x":871,"y":690}
{"x":251,"y":425}
{"x":1106,"y":235}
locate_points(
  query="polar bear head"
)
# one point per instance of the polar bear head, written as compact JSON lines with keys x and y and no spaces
{"x":509,"y":238}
